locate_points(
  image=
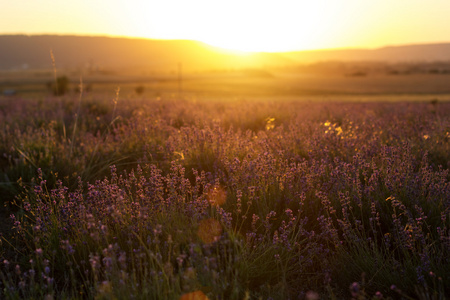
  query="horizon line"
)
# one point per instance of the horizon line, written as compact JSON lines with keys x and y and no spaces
{"x":219,"y":47}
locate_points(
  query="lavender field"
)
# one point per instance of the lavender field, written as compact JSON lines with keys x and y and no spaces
{"x":111,"y":197}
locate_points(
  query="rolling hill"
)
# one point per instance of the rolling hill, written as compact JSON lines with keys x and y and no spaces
{"x":107,"y":53}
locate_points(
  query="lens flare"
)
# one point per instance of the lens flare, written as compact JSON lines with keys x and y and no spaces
{"x":209,"y":230}
{"x":197,"y":295}
{"x":217,"y":196}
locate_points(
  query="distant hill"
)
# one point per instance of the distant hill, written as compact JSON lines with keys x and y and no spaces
{"x":106,"y":53}
{"x":19,"y":51}
{"x":407,"y":53}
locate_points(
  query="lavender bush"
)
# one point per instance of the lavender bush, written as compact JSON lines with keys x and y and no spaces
{"x":196,"y":199}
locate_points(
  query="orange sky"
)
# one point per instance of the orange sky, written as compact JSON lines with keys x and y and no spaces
{"x":247,"y":25}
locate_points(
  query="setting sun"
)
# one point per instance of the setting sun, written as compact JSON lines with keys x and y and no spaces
{"x":240,"y":25}
{"x":247,"y":26}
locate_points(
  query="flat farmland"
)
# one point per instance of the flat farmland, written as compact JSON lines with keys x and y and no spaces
{"x":240,"y":83}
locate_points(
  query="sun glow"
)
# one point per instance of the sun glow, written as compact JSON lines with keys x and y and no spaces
{"x":250,"y":25}
{"x":273,"y":28}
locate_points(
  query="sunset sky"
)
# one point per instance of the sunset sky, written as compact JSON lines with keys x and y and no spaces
{"x":247,"y":25}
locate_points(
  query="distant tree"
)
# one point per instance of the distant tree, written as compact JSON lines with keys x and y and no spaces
{"x":62,"y":86}
{"x":139,"y":89}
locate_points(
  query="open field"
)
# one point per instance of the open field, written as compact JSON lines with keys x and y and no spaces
{"x":273,"y":83}
{"x":234,"y":185}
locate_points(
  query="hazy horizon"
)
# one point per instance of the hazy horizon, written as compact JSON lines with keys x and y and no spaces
{"x":75,"y":51}
{"x":226,"y":49}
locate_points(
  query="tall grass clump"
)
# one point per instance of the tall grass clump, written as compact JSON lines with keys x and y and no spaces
{"x":184,"y":199}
